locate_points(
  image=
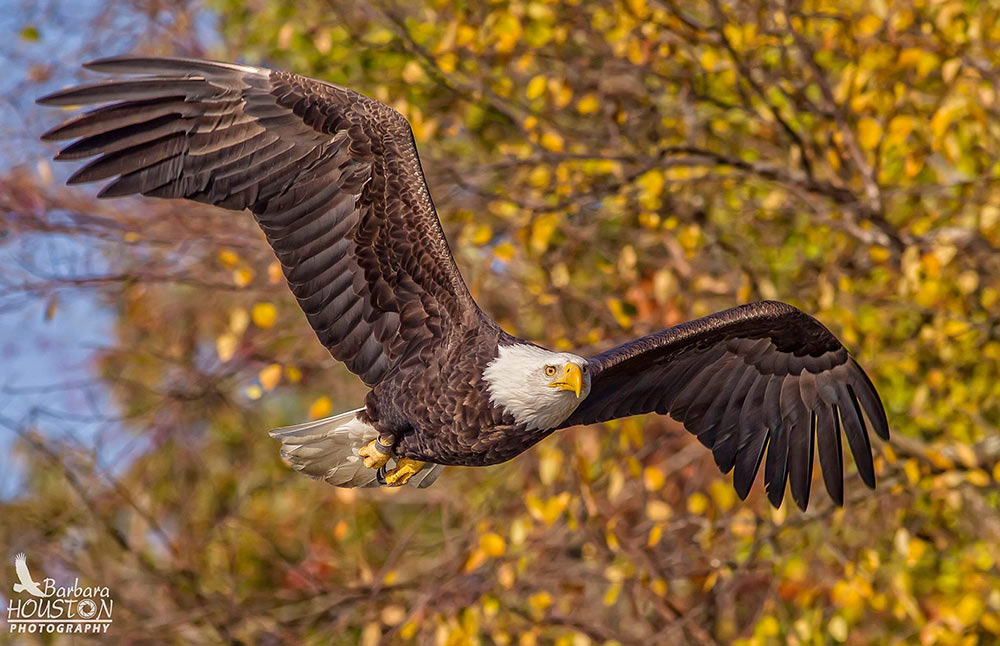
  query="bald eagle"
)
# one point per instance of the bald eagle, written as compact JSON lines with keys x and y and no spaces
{"x":333,"y":179}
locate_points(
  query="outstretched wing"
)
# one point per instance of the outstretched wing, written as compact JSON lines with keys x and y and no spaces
{"x":331,"y":176}
{"x":755,"y":378}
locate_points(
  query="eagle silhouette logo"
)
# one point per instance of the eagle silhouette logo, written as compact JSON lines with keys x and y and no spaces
{"x":25,"y":582}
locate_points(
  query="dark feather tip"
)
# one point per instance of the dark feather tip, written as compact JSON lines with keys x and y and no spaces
{"x":102,"y":64}
{"x":52,"y":99}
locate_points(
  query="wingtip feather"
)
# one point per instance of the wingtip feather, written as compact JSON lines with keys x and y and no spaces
{"x":775,"y":494}
{"x":131,"y":64}
{"x":54,"y":99}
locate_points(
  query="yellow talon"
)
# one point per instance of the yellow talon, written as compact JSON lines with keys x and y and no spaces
{"x":404,"y":470}
{"x":373,"y":458}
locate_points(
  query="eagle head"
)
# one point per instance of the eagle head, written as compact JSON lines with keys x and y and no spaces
{"x":538,"y":388}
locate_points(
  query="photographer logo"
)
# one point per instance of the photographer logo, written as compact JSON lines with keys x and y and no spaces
{"x":47,"y":608}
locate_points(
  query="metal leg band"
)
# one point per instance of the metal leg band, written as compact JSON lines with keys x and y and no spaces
{"x":384,"y":449}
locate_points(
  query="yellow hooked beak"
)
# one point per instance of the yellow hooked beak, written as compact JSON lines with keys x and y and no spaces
{"x":572,"y":379}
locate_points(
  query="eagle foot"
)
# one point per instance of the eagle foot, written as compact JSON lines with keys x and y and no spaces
{"x":375,"y":454}
{"x":400,"y":474}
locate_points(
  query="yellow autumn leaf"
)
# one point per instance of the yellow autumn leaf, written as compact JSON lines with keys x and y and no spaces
{"x":482,"y":234}
{"x":879,"y":254}
{"x":466,"y":35}
{"x":969,"y":609}
{"x":778,"y":516}
{"x":638,"y":7}
{"x":242,"y":276}
{"x":540,"y":601}
{"x":504,"y":251}
{"x":475,"y":560}
{"x":618,"y":311}
{"x":547,"y":511}
{"x":264,"y":315}
{"x":869,"y":25}
{"x":965,"y":453}
{"x":371,"y":635}
{"x":650,"y":185}
{"x":393,"y":615}
{"x":900,"y":128}
{"x":270,"y":376}
{"x":225,"y":346}
{"x":293,"y":374}
{"x":274,"y":274}
{"x":653,"y":478}
{"x":723,"y":494}
{"x":658,"y":511}
{"x":492,"y":544}
{"x":768,"y":626}
{"x":939,"y":459}
{"x":228,"y":258}
{"x":631,"y":434}
{"x":238,"y":321}
{"x":562,"y":95}
{"x":540,"y":176}
{"x":536,"y":87}
{"x":507,"y":31}
{"x":950,"y":68}
{"x":709,"y":59}
{"x":409,"y":630}
{"x":942,"y":120}
{"x":978,"y":478}
{"x":837,"y":628}
{"x":552,"y":141}
{"x":447,"y":62}
{"x":869,"y":133}
{"x":588,"y":104}
{"x":689,"y":237}
{"x":549,"y":466}
{"x":320,"y":408}
{"x":697,"y":503}
{"x":506,"y":576}
{"x":542,"y":230}
{"x":379,"y":36}
{"x":909,"y":57}
{"x":611,"y":594}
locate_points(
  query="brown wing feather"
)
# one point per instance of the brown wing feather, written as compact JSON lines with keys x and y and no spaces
{"x":763,"y":382}
{"x":332,"y":177}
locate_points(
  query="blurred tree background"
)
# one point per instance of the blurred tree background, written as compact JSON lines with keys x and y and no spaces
{"x":603,"y":169}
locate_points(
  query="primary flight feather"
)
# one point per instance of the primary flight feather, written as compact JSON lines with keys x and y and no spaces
{"x":334,"y":181}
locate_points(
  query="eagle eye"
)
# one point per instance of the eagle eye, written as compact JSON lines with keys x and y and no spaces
{"x":550,"y":371}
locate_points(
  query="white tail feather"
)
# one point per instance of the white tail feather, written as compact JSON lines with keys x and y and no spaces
{"x":327,"y":449}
